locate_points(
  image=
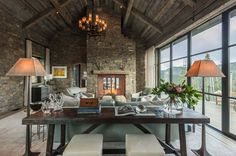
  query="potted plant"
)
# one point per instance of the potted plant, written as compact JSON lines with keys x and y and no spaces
{"x":178,"y":94}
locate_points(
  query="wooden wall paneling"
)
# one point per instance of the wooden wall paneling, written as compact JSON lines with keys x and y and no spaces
{"x":29,"y":6}
{"x":36,"y":5}
{"x":180,"y":17}
{"x":40,"y":16}
{"x":54,"y":24}
{"x":191,"y":3}
{"x":58,"y":19}
{"x":16,"y":9}
{"x":50,"y":26}
{"x":202,"y":13}
{"x":146,"y":20}
{"x":140,"y":16}
{"x":63,"y":12}
{"x":137,"y":25}
{"x":155,"y":5}
{"x":128,"y":12}
{"x":141,"y":5}
{"x":160,"y":13}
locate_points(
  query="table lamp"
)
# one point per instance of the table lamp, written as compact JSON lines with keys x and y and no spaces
{"x":204,"y":68}
{"x":27,"y":67}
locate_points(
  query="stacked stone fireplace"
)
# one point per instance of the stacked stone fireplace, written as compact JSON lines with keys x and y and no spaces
{"x":114,"y":54}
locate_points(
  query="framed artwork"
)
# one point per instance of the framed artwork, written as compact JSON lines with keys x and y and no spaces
{"x":59,"y":71}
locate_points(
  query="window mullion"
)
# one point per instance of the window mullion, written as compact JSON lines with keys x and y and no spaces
{"x":225,"y":69}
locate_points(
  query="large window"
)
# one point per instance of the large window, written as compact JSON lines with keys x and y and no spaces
{"x":215,"y":39}
{"x":179,"y":60}
{"x":232,"y":72}
{"x":207,"y":37}
{"x":206,"y":41}
{"x":165,"y":63}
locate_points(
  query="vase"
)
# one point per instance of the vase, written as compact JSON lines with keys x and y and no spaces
{"x":173,"y":106}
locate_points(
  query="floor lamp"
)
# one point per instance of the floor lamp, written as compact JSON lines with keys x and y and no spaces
{"x":27,"y":67}
{"x":204,"y":68}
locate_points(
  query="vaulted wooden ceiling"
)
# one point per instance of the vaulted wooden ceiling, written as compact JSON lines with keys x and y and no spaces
{"x":150,"y":20}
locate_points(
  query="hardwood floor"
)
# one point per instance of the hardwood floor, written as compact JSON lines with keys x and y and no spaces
{"x":12,"y":139}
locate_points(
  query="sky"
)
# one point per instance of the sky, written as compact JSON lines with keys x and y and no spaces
{"x":201,"y":42}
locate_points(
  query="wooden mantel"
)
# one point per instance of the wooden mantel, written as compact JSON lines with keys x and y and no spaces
{"x":97,"y":72}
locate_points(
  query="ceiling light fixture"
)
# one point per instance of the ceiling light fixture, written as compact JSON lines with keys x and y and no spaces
{"x":92,"y":24}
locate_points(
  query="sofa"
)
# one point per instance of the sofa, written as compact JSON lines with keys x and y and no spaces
{"x":72,"y":95}
{"x":117,"y":132}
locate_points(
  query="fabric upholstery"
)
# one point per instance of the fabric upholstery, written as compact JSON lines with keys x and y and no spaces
{"x":120,"y":98}
{"x":85,"y":145}
{"x":73,"y":91}
{"x":143,"y":145}
{"x":147,"y":91}
{"x":107,"y":100}
{"x":136,"y":95}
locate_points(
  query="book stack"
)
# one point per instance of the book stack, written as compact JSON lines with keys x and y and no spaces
{"x":89,"y":106}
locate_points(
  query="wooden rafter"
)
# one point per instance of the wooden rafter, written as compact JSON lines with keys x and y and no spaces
{"x":140,"y":16}
{"x":42,"y":15}
{"x":128,"y":11}
{"x":146,"y":20}
{"x":64,"y":14}
{"x":160,"y":13}
{"x":191,"y":3}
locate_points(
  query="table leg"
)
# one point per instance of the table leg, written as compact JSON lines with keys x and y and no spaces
{"x":63,"y":135}
{"x":167,"y":136}
{"x":182,"y":138}
{"x":49,"y":150}
{"x":62,"y":146}
{"x":28,"y":143}
{"x":202,"y":151}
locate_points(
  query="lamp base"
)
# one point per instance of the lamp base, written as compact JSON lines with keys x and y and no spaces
{"x":29,"y":153}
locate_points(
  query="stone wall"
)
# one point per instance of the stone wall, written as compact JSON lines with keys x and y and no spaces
{"x":111,"y":53}
{"x":140,"y":66}
{"x":67,"y":49}
{"x":12,"y":45}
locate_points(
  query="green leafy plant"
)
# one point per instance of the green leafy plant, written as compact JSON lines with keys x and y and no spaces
{"x":185,"y":93}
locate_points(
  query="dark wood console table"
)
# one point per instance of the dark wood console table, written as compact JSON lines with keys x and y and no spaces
{"x":70,"y":116}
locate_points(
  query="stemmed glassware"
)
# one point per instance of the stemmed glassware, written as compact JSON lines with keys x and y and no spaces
{"x":53,"y":104}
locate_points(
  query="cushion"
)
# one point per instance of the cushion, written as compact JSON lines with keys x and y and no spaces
{"x":86,"y":95}
{"x":147,"y":91}
{"x":120,"y":98}
{"x":85,"y":145}
{"x":73,"y":90}
{"x":143,"y":145}
{"x":106,"y":97}
{"x":136,"y":95}
{"x":149,"y":97}
{"x":107,"y":100}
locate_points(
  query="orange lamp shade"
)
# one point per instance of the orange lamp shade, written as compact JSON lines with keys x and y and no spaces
{"x":27,"y":67}
{"x":204,"y":68}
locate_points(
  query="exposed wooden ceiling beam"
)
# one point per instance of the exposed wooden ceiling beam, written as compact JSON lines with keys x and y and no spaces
{"x":42,"y":15}
{"x":160,"y":13}
{"x":140,"y":16}
{"x":191,"y":3}
{"x":120,"y":3}
{"x":146,"y":20}
{"x":65,"y":16}
{"x":128,"y":11}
